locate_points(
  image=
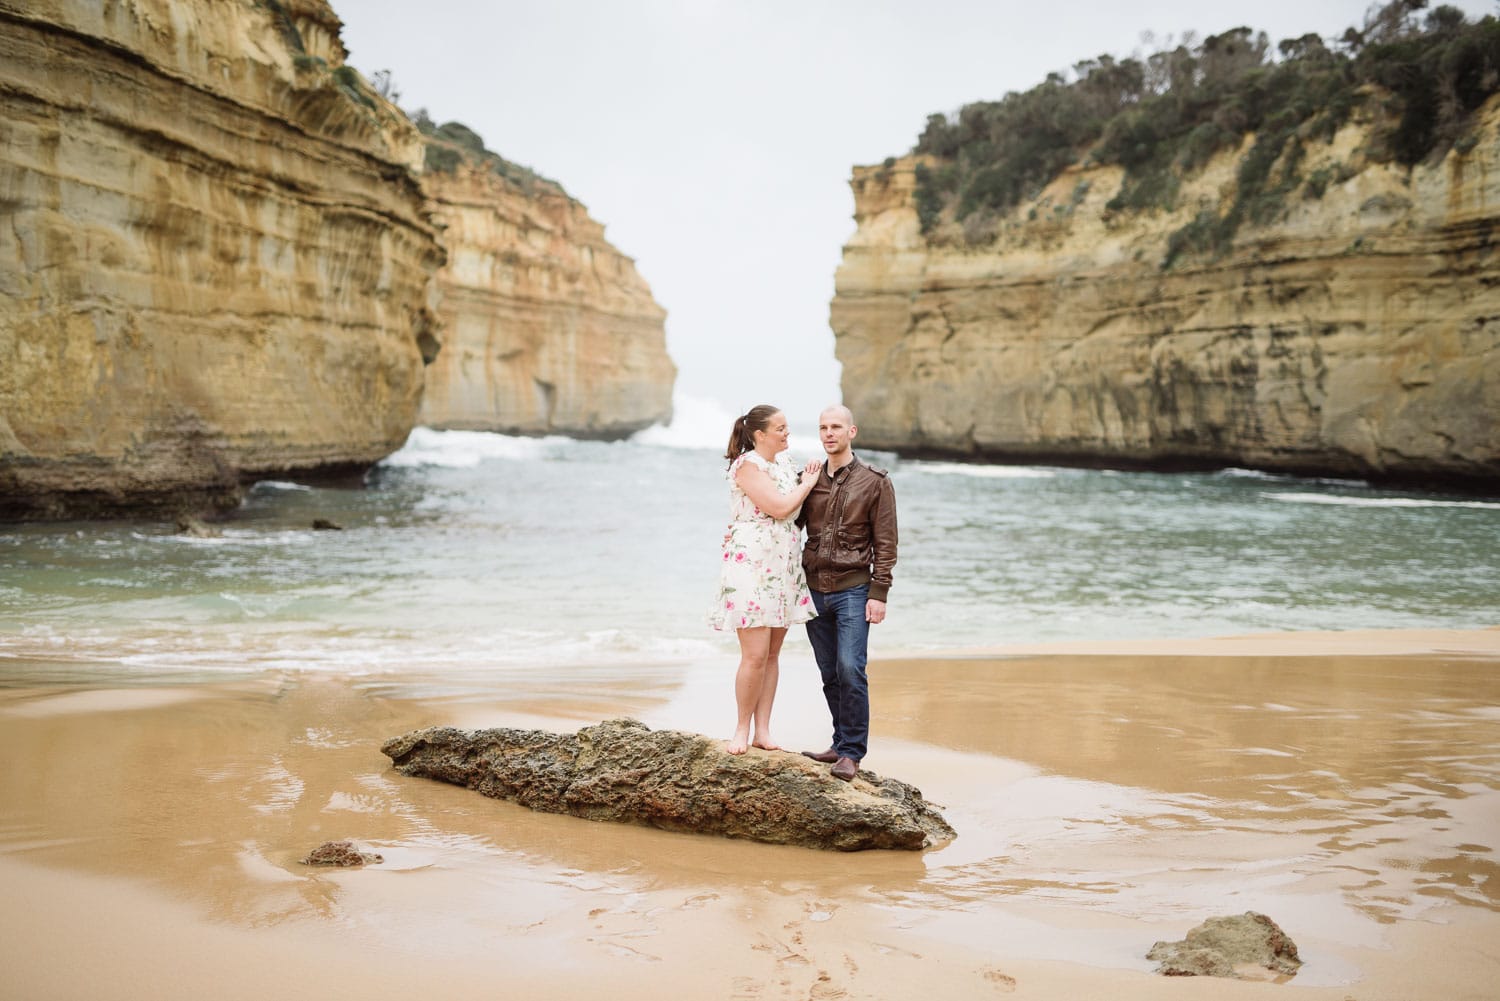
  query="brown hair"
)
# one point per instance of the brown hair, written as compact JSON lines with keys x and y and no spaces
{"x":742,"y":435}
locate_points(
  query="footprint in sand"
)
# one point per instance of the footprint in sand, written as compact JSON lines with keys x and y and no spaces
{"x":746,"y":989}
{"x":814,"y":911}
{"x":1004,"y":981}
{"x":824,"y":989}
{"x":785,"y":954}
{"x":819,"y":911}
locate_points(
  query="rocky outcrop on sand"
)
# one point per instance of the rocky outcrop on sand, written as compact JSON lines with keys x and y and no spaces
{"x":621,"y":770}
{"x":217,"y":257}
{"x":1236,"y":946}
{"x":342,"y":854}
{"x":547,"y":328}
{"x":1356,"y":335}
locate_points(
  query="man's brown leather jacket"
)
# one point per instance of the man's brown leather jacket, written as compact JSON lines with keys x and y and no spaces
{"x":850,"y":519}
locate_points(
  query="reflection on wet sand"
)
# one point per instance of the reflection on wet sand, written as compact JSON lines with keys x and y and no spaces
{"x":1102,"y":803}
{"x":1375,"y":776}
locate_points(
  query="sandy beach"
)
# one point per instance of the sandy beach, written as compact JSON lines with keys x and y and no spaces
{"x":1106,"y":796}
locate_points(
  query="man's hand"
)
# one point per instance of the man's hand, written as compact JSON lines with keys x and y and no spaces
{"x":874,"y":611}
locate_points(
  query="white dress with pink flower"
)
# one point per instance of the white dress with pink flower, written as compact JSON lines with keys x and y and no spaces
{"x":761,"y":583}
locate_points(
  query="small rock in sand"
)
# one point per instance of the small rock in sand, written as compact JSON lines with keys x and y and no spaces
{"x":1223,"y":947}
{"x":340,"y":853}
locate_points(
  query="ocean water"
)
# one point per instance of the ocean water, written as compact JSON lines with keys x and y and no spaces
{"x":472,"y":551}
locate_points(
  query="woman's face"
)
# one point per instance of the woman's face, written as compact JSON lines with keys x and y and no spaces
{"x":776,"y":434}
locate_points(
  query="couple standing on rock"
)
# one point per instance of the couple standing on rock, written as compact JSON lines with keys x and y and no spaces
{"x":849,"y":511}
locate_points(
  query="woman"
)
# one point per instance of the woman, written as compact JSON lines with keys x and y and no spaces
{"x":762,"y":590}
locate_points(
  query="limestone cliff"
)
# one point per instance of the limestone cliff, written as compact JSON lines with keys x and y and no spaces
{"x":547,"y":329}
{"x":216,"y":258}
{"x":1356,"y":335}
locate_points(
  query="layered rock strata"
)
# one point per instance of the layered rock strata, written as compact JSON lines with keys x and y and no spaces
{"x":216,"y":262}
{"x":547,"y":328}
{"x":620,"y":770}
{"x":1358,"y":336}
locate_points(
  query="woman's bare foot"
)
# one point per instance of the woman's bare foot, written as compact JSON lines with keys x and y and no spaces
{"x":740,"y":743}
{"x":766,"y":744}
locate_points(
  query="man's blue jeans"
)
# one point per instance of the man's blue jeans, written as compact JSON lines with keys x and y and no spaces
{"x":840,"y":639}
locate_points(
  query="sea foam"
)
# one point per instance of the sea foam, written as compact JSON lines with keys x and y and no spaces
{"x":465,"y":449}
{"x":1412,"y":502}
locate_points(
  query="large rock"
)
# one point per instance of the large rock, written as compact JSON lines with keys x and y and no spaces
{"x":547,"y":328}
{"x":1356,"y":336}
{"x":216,"y":259}
{"x":621,"y":770}
{"x":1229,"y":947}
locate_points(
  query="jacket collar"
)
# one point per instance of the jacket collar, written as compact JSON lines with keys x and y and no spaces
{"x":854,"y":461}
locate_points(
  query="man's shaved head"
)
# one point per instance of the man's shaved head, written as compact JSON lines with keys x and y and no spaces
{"x":839,"y":410}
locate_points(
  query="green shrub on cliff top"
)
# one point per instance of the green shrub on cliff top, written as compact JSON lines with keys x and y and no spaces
{"x":1436,"y":78}
{"x":453,"y":143}
{"x":1166,"y":115}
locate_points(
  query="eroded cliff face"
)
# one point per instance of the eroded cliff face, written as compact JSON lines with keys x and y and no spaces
{"x":547,"y":329}
{"x":216,"y":260}
{"x":1357,"y":336}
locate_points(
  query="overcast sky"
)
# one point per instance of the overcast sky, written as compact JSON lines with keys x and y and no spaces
{"x":714,"y":138}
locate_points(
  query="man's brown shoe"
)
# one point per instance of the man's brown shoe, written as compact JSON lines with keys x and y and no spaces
{"x":827,"y":757}
{"x":845,"y":769}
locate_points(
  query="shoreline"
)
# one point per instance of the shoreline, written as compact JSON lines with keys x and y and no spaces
{"x":1106,"y":796}
{"x":1481,"y":642}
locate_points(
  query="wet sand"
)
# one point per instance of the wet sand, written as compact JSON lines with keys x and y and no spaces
{"x":1348,"y":785}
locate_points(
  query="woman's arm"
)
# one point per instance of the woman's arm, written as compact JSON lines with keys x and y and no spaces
{"x":761,"y":489}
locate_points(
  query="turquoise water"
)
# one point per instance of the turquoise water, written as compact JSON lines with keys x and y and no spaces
{"x":477,"y":551}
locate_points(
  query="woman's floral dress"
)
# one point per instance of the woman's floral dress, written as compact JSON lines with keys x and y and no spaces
{"x":761,"y":582}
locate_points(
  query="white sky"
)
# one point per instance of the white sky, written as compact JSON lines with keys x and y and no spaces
{"x":714,"y":138}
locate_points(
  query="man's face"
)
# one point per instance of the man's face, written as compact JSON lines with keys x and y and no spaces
{"x":835,"y":431}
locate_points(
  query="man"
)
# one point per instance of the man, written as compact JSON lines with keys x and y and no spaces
{"x":850,"y":518}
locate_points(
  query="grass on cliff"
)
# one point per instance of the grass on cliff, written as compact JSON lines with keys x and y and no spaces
{"x":1164,"y":116}
{"x":453,"y":143}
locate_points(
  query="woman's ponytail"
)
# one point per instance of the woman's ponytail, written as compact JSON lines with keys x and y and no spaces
{"x":742,"y":435}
